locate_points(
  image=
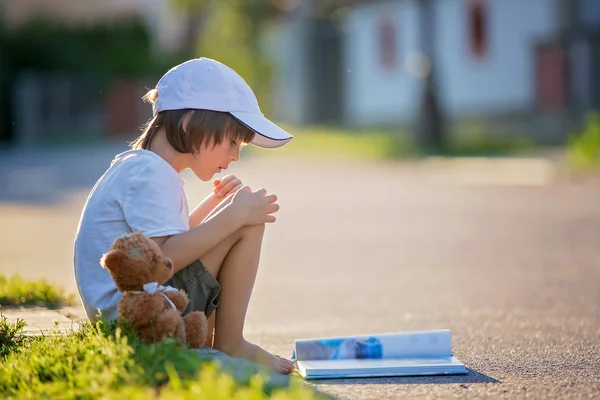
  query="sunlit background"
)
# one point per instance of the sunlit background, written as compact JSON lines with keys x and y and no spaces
{"x":444,"y":170}
{"x":437,"y":74}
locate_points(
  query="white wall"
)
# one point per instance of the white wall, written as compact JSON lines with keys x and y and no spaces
{"x":375,"y":94}
{"x":502,"y":81}
{"x":287,"y":44}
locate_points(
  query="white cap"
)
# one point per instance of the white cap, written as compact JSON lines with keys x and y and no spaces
{"x":203,"y":83}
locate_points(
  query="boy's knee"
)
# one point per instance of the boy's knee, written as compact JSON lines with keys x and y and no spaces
{"x":252,"y":230}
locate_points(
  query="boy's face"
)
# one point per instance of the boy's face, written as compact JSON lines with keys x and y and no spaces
{"x":212,"y":159}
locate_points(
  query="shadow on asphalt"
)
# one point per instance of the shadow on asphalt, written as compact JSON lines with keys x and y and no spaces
{"x":471,"y":377}
{"x":43,"y":176}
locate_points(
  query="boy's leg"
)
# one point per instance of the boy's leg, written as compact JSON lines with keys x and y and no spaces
{"x":211,"y":330}
{"x":235,"y":263}
{"x":201,"y":287}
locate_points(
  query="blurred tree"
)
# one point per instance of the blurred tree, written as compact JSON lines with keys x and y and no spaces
{"x":232,"y":32}
{"x":194,"y":14}
{"x":96,"y":55}
{"x":95,"y":50}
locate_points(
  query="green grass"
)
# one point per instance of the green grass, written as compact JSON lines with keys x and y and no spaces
{"x":108,"y":362}
{"x":15,"y":291}
{"x":583,"y":148}
{"x":337,"y":142}
{"x":487,"y":146}
{"x":385,"y":144}
{"x":10,"y":336}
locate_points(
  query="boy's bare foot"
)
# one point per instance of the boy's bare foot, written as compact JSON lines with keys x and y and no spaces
{"x":257,"y":354}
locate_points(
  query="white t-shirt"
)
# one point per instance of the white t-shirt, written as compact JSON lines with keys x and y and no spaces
{"x":139,"y":192}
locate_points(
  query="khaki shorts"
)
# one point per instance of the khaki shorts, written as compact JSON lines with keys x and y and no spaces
{"x":201,"y":287}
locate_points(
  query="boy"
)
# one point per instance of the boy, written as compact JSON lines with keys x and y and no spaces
{"x":203,"y":111}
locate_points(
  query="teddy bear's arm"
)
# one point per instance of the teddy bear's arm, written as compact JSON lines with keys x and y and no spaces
{"x":140,"y":308}
{"x":179,"y":298}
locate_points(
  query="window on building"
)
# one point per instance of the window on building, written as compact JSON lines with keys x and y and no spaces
{"x":387,"y":43}
{"x":478,"y":28}
{"x":551,"y":74}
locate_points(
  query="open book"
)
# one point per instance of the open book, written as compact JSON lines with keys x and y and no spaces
{"x":390,"y":354}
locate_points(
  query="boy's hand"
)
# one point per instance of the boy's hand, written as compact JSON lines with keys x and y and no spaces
{"x":227,"y":185}
{"x":255,"y":207}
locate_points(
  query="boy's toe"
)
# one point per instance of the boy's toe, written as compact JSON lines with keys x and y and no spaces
{"x":285,"y":365}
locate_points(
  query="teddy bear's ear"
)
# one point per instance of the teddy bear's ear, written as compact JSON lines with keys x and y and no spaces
{"x":112,"y":260}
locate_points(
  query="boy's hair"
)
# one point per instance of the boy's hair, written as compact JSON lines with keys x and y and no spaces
{"x":201,"y":127}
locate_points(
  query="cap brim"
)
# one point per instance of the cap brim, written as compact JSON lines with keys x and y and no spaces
{"x":268,"y":135}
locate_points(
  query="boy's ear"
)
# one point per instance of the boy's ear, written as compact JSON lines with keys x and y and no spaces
{"x":112,"y":260}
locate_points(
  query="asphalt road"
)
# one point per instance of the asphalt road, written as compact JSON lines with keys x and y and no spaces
{"x":510,"y":263}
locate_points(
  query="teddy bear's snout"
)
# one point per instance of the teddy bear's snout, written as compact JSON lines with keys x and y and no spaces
{"x":169,"y":264}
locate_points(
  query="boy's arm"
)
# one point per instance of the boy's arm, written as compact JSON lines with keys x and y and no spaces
{"x":187,"y":247}
{"x":203,"y":209}
{"x":224,"y":187}
{"x":236,"y":210}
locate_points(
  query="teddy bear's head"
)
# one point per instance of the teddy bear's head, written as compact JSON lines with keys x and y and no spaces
{"x":134,"y":260}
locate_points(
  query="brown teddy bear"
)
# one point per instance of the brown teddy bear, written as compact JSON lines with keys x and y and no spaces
{"x":139,"y":268}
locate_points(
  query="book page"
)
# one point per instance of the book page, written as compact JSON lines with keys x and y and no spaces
{"x":317,"y":369}
{"x":383,"y":346}
{"x":387,"y":363}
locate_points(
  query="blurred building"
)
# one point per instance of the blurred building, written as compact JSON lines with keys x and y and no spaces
{"x":48,"y":106}
{"x":524,"y":66}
